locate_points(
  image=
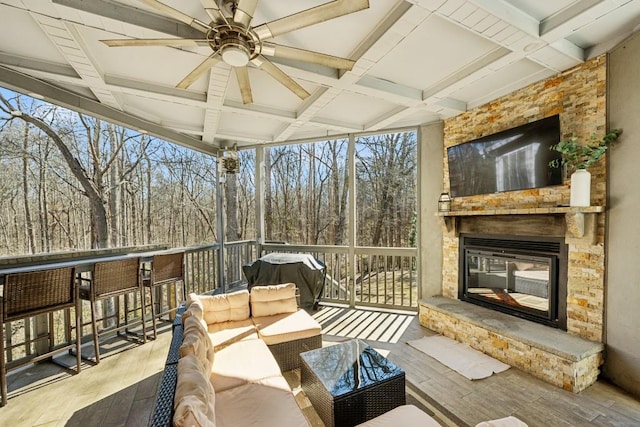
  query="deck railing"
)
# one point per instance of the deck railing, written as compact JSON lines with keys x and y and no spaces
{"x":380,"y":277}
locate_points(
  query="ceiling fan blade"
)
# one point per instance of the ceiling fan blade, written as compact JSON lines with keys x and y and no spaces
{"x":244,"y":12}
{"x":214,"y":12}
{"x":197,"y":72}
{"x":275,"y":72}
{"x":242,"y":74}
{"x":155,"y":42}
{"x":176,"y":14}
{"x":287,"y":52}
{"x":309,"y":17}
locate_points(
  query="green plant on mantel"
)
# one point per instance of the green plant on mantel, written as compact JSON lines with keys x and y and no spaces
{"x":581,"y":156}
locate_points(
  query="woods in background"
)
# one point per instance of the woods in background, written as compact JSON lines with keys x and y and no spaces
{"x":71,"y":181}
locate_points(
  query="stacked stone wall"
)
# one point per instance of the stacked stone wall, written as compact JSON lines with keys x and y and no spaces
{"x":579,"y":97}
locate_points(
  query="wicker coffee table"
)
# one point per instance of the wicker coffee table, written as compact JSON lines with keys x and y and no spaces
{"x":350,"y":383}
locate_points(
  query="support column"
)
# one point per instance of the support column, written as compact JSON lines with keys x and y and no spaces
{"x":351,"y":164}
{"x":260,"y":185}
{"x":430,"y":185}
{"x":220,"y":223}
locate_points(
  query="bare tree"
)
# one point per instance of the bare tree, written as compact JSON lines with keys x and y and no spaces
{"x":25,"y":191}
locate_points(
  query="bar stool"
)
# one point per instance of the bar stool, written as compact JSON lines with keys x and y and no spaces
{"x":112,"y":279}
{"x":33,"y":293}
{"x":165,"y":269}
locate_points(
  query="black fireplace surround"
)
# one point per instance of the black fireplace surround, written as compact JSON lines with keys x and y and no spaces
{"x":524,"y":276}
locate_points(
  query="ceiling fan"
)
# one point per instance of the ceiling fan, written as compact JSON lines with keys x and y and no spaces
{"x":234,"y":41}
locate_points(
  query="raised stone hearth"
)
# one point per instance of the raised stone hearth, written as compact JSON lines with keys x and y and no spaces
{"x":552,"y":355}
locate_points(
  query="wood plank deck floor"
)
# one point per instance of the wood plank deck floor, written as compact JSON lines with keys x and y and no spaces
{"x":120,"y":391}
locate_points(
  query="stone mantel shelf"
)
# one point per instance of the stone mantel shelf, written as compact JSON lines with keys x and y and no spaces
{"x":580,"y":221}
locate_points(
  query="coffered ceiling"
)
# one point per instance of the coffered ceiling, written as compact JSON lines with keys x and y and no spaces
{"x":415,"y":62}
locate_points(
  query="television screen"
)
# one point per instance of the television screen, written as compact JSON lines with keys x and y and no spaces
{"x":514,"y":159}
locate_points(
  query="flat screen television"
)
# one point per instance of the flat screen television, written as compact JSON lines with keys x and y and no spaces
{"x":514,"y":159}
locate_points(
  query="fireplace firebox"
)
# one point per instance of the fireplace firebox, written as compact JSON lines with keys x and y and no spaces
{"x":524,"y":276}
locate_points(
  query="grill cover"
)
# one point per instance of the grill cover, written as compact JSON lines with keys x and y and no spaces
{"x":302,"y":269}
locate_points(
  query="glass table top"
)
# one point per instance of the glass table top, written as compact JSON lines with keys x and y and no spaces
{"x":349,"y":366}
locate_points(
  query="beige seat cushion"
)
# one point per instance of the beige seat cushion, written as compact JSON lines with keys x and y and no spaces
{"x":194,"y":400}
{"x":273,"y":299}
{"x":225,"y":307}
{"x":243,"y":362}
{"x":196,"y":342}
{"x":402,"y":416}
{"x":258,"y":405}
{"x":287,"y":327}
{"x":226,"y":333}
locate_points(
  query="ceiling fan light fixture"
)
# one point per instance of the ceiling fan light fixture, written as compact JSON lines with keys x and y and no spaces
{"x":234,"y":55}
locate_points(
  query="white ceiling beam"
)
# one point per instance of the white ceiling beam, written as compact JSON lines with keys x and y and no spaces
{"x":452,"y":104}
{"x":38,"y":65}
{"x":508,"y":13}
{"x":569,"y":49}
{"x":216,"y":93}
{"x":390,"y":88}
{"x":26,"y":84}
{"x":336,"y":125}
{"x":132,"y":15}
{"x":471,"y":71}
{"x":241,"y":137}
{"x":388,"y":118}
{"x":156,"y":91}
{"x":573,"y":17}
{"x":259,"y":111}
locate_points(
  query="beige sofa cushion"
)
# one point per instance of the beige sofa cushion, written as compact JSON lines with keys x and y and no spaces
{"x":406,"y":415}
{"x":225,"y":307}
{"x":226,"y":333}
{"x":196,"y":342}
{"x":258,"y":405}
{"x":194,"y":307}
{"x":194,"y":400}
{"x":243,"y":362}
{"x":273,"y":299}
{"x":287,"y":327}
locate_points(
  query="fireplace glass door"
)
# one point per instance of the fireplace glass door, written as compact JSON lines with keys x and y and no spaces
{"x":515,"y":282}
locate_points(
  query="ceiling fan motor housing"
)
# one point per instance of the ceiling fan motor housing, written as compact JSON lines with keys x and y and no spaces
{"x":234,"y":44}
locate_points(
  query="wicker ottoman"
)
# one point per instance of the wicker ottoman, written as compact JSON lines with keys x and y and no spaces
{"x":350,"y":383}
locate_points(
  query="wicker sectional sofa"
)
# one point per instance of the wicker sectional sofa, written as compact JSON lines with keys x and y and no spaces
{"x":227,"y":356}
{"x":226,"y":359}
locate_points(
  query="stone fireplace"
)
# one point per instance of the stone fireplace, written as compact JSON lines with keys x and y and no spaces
{"x":563,"y":291}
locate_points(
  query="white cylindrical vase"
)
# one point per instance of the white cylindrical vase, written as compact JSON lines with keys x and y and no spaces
{"x":580,"y":188}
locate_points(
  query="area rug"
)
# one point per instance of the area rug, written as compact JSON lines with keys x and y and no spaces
{"x":471,"y":363}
